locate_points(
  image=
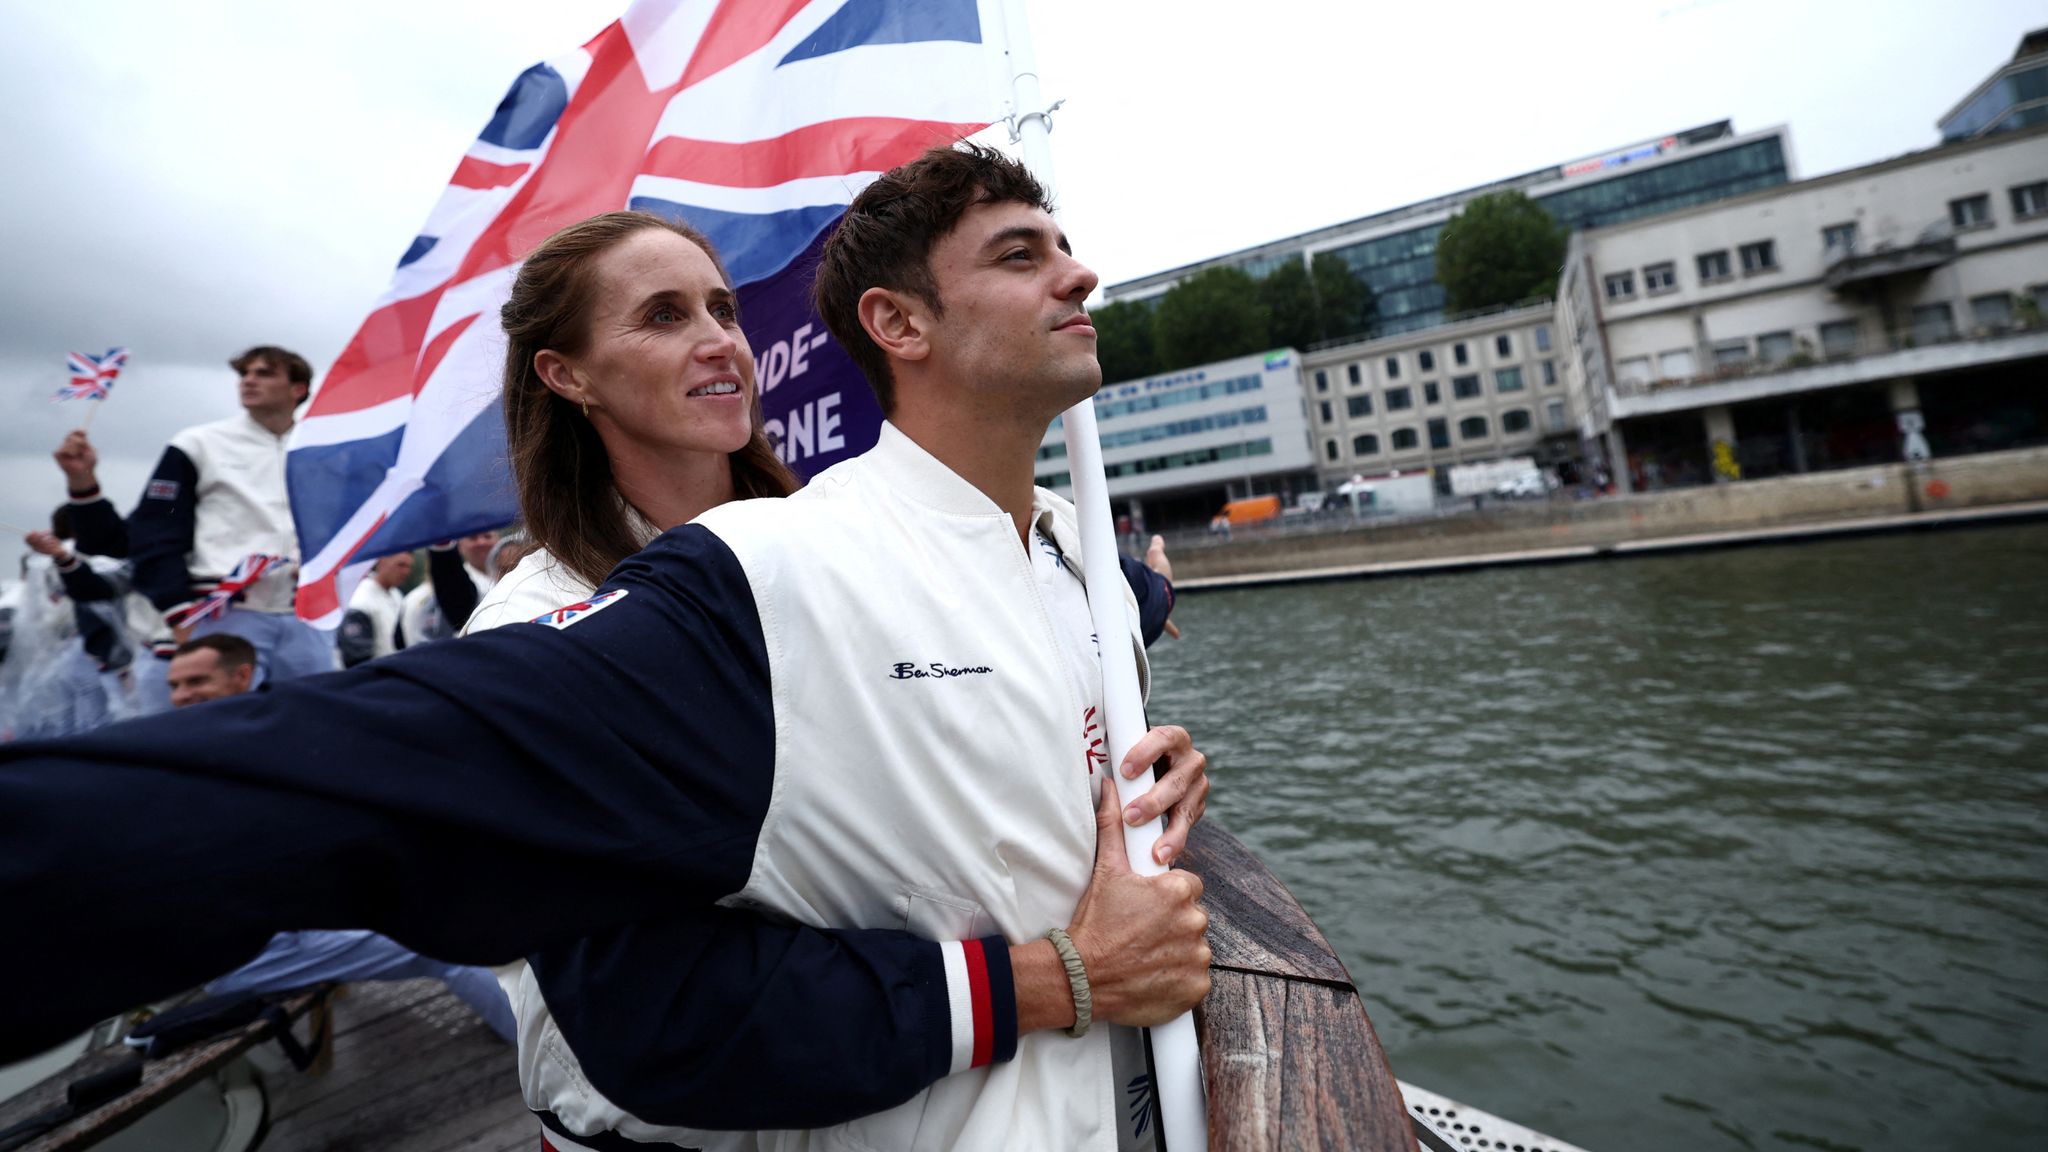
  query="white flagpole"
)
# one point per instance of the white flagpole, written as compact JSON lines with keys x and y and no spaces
{"x":1176,"y":1056}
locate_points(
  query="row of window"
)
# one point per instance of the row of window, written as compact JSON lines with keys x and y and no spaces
{"x":1175,"y":460}
{"x":1425,"y":359}
{"x":1972,"y":212}
{"x":1513,"y":422}
{"x":1151,"y":432}
{"x":1105,"y":409}
{"x":1713,"y":267}
{"x":1930,"y":324}
{"x":1466,"y":387}
{"x":1837,"y":240}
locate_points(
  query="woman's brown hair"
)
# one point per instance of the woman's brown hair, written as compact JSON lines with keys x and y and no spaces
{"x":560,"y":465}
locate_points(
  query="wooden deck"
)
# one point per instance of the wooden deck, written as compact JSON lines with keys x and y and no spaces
{"x":1291,"y":1060}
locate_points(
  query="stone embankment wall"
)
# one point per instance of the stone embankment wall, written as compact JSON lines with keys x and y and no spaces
{"x":1886,"y":490}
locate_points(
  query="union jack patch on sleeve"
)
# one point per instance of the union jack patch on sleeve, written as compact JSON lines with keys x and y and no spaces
{"x":161,"y":490}
{"x":571,"y":613}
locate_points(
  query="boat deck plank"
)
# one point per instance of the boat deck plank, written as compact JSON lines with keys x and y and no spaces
{"x":414,"y":1070}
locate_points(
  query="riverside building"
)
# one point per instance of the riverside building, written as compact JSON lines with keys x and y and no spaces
{"x":1886,"y":310}
{"x":1176,"y":447}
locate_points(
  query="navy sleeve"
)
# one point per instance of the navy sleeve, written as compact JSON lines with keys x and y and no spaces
{"x":97,"y":528}
{"x":1155,"y":597}
{"x":454,"y":591}
{"x":356,"y":639}
{"x":84,"y":585}
{"x":716,"y":1021}
{"x":160,"y":531}
{"x":477,"y":800}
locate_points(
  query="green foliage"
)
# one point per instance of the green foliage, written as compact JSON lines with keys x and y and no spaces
{"x":1290,"y":301}
{"x":1123,"y":341}
{"x":1502,"y":247}
{"x":1213,"y":315}
{"x":1345,"y":300}
{"x":1328,"y":302}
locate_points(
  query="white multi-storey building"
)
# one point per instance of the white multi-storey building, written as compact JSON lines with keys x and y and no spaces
{"x":1176,"y":447}
{"x":1844,"y":319}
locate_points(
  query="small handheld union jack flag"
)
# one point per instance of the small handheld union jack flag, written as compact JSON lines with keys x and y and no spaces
{"x":248,"y":572}
{"x":92,"y":377}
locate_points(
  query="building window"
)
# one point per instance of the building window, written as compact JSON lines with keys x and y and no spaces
{"x":1933,"y":324}
{"x":1393,"y":367}
{"x":1549,"y":373}
{"x":1399,"y":398}
{"x":1465,"y":387}
{"x":1730,"y":353}
{"x":2030,"y":200}
{"x":1472,"y":428}
{"x":1774,"y":347}
{"x":1365,"y":444}
{"x":1621,"y":286}
{"x":1840,"y":338}
{"x":1503,"y":345}
{"x":1329,"y":449}
{"x":1993,"y":312}
{"x":1458,"y":353}
{"x":1426,"y":360}
{"x":1360,"y":405}
{"x":1514,"y":420}
{"x":1355,"y":373}
{"x":1675,"y":364}
{"x":1970,"y":212}
{"x":1660,"y":278}
{"x":1404,"y":439}
{"x":1553,"y":416}
{"x":1439,"y":433}
{"x":1839,"y":240}
{"x":1543,"y":337}
{"x":1713,"y":266}
{"x":1507,"y":380}
{"x":1633,"y":370}
{"x":1322,"y":380}
{"x":1329,"y":414}
{"x":1430,"y":393}
{"x":1761,"y":256}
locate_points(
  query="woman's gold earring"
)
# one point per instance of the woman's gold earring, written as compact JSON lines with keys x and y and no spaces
{"x":586,"y":409}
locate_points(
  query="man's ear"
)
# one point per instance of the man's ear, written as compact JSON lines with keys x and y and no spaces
{"x":243,"y":674}
{"x":560,"y":376}
{"x":896,"y":322}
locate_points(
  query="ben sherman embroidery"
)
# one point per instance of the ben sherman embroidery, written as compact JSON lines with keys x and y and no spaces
{"x":936,"y":671}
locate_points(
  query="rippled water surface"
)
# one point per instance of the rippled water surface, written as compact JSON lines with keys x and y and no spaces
{"x":1733,"y":850}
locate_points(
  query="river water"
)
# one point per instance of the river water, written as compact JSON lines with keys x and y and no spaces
{"x":1731,"y":850}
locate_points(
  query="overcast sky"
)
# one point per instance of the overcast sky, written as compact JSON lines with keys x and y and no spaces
{"x":189,"y":179}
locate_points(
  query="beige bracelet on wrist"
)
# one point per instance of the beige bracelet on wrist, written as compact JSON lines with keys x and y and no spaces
{"x":1077,"y":979}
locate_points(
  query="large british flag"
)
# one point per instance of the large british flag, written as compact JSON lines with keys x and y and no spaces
{"x":755,"y":120}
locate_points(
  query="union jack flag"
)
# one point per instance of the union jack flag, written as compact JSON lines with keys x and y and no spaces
{"x":568,"y":614}
{"x":92,"y":377}
{"x":248,"y":572}
{"x":757,"y":121}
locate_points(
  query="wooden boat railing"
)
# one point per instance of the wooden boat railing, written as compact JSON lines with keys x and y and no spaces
{"x":1290,"y":1058}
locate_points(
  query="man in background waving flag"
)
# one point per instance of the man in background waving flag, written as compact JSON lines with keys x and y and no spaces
{"x":756,"y":122}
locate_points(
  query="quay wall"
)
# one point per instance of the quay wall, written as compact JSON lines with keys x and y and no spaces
{"x":1981,"y":480}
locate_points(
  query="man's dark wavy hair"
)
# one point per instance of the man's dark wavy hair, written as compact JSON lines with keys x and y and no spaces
{"x":885,"y":240}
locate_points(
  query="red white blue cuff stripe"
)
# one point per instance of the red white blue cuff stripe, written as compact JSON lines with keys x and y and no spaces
{"x":982,"y":999}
